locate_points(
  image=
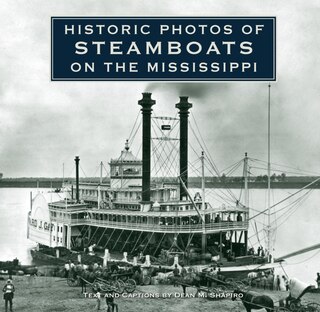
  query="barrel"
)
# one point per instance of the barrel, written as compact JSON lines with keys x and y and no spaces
{"x":146,"y":280}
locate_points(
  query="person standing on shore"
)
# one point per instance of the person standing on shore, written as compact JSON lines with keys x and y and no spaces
{"x":270,"y":280}
{"x":111,"y":305}
{"x":278,"y":283}
{"x":184,"y":279}
{"x":8,"y":290}
{"x":286,"y":282}
{"x":66,"y":269}
{"x":318,"y":279}
{"x":96,"y":290}
{"x":176,"y":275}
{"x":183,"y":271}
{"x":264,"y":282}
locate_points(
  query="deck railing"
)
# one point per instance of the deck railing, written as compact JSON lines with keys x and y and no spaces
{"x":161,"y":228}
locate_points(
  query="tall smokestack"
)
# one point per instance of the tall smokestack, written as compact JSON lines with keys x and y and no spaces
{"x":183,"y":107}
{"x":77,"y":159}
{"x":146,"y":109}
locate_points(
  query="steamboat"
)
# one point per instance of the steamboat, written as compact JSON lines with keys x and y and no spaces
{"x":137,"y":214}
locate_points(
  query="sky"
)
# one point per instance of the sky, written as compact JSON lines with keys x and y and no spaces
{"x":45,"y":124}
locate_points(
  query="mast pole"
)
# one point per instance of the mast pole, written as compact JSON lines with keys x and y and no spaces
{"x":203,"y":182}
{"x":31,"y":201}
{"x":245,"y":175}
{"x":246,"y":198}
{"x":269,"y":178}
{"x":99,"y":186}
{"x":203,"y":206}
{"x":192,"y":201}
{"x":77,"y":159}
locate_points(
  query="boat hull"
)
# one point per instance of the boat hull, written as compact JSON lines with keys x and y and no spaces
{"x":40,"y":257}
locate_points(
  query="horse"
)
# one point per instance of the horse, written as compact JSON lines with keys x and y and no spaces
{"x":190,"y":280}
{"x":254,"y":301}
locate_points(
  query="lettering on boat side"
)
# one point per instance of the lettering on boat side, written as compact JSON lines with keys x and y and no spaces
{"x":163,"y":48}
{"x":41,"y":225}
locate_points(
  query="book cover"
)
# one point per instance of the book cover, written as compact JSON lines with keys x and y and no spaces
{"x":159,"y":155}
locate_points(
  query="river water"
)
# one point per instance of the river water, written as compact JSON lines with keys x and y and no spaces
{"x":297,"y":221}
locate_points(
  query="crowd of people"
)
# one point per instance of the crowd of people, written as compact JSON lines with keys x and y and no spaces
{"x":88,"y":274}
{"x":268,"y":280}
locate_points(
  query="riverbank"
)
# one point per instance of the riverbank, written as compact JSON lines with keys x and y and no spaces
{"x":230,"y":182}
{"x":53,"y":294}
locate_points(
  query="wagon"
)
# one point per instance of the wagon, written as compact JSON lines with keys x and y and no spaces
{"x":118,"y":283}
{"x":99,"y":283}
{"x":293,"y":302}
{"x":228,"y":283}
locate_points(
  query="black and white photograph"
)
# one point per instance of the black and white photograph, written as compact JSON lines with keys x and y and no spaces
{"x":160,"y":155}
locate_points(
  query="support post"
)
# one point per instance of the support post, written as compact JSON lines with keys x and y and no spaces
{"x":115,"y":244}
{"x":109,"y":238}
{"x":246,"y":241}
{"x":220,"y":246}
{"x":125,"y":257}
{"x":68,"y":237}
{"x":126,"y":241}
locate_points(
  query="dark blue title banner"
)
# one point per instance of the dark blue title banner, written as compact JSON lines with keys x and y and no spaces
{"x":163,"y":49}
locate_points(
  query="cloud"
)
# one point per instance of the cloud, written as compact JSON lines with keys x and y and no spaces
{"x":46,"y":123}
{"x":194,"y":90}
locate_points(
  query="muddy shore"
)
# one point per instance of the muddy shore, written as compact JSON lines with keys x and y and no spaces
{"x":53,"y":294}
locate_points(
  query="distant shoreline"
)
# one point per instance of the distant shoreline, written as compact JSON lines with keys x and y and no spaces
{"x":230,"y":182}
